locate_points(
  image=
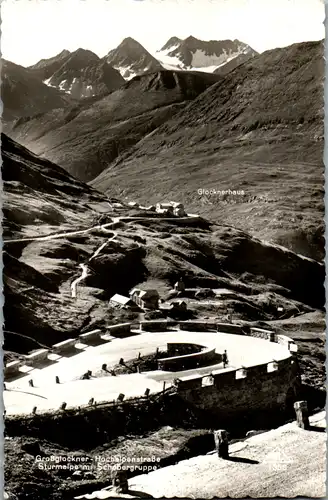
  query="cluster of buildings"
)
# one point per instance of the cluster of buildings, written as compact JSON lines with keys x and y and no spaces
{"x":138,"y":299}
{"x":141,"y":299}
{"x":171,"y":208}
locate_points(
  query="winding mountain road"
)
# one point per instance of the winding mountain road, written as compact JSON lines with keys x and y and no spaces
{"x":105,"y":228}
{"x":84,"y":267}
{"x":101,"y":227}
{"x":77,"y":281}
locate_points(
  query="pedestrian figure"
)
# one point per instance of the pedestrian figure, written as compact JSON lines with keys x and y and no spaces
{"x":225,"y":359}
{"x":179,"y":286}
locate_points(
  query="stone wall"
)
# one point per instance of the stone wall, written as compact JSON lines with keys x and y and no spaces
{"x":188,"y":361}
{"x":223,"y":396}
{"x":197,"y":326}
{"x":88,"y":426}
{"x":182,"y":348}
{"x":262,"y":334}
{"x":243,"y":391}
{"x":229,"y":328}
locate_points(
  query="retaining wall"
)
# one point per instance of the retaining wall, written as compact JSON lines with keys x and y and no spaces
{"x":197,"y":326}
{"x":262,"y":334}
{"x":229,"y":328}
{"x":99,"y":423}
{"x":187,"y":361}
{"x":182,"y":348}
{"x":234,"y":392}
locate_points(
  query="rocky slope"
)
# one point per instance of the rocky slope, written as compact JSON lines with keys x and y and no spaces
{"x":23,"y":94}
{"x":86,"y":138}
{"x":258,"y":130}
{"x":42,"y":199}
{"x":130,"y":58}
{"x":83,"y":74}
{"x":199,"y":55}
{"x":45,"y":68}
{"x":233,"y":63}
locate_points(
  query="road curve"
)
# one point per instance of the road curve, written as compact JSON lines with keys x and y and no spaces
{"x":77,"y":281}
{"x":244,"y":351}
{"x":84,"y":267}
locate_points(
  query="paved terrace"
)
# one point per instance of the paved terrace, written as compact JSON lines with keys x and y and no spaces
{"x":46,"y":394}
{"x":284,"y":462}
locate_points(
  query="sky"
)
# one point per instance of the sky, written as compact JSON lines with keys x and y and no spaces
{"x":38,"y":29}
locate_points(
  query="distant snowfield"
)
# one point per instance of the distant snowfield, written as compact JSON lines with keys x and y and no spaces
{"x":200,"y":61}
{"x":166,"y":60}
{"x":46,"y":394}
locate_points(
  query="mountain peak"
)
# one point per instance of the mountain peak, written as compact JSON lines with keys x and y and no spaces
{"x":131,"y":42}
{"x":174,"y":40}
{"x":191,"y":38}
{"x":130,"y":58}
{"x":63,"y":53}
{"x":84,"y":54}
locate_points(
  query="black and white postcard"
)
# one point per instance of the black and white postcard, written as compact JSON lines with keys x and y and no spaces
{"x":163,"y":249}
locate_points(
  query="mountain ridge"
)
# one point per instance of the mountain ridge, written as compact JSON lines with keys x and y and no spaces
{"x":23,"y":94}
{"x":192,"y":53}
{"x":85,"y":138}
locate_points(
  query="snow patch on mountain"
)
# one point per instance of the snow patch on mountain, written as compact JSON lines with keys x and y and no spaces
{"x":62,"y":85}
{"x":202,"y":60}
{"x":163,"y":56}
{"x":47,"y":82}
{"x":206,"y":58}
{"x":126,"y":71}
